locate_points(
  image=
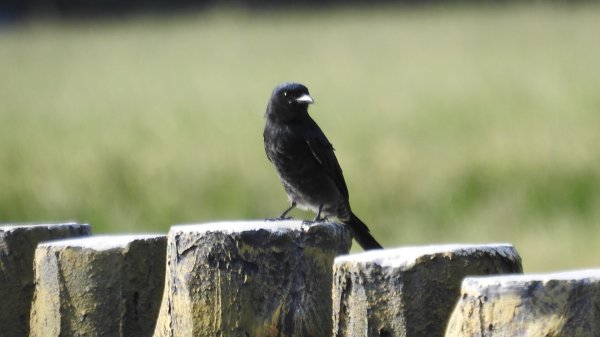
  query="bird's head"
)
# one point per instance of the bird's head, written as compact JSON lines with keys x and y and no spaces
{"x":289,"y":100}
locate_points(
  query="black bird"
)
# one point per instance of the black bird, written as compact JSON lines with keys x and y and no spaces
{"x":305,"y":161}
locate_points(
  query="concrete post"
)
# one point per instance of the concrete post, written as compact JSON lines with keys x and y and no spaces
{"x":409,"y":291}
{"x":17,"y":246}
{"x":99,"y":286}
{"x":563,"y":304}
{"x":259,"y":279}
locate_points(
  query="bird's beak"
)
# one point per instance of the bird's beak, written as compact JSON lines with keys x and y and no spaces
{"x":305,"y":99}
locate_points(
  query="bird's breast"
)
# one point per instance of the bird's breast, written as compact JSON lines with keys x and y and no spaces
{"x":289,"y":153}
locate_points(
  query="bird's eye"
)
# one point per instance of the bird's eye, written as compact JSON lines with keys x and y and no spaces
{"x":285,"y":94}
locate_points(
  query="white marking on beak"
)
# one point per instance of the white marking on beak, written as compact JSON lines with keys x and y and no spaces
{"x":305,"y":99}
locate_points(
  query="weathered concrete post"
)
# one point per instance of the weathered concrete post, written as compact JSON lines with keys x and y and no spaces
{"x":17,"y":246}
{"x":409,"y":291}
{"x":563,"y":304}
{"x":99,"y":286}
{"x":258,"y":279}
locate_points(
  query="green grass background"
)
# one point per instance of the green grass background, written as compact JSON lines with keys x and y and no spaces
{"x":453,"y":124}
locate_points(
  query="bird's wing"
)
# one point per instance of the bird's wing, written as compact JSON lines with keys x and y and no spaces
{"x":267,"y":136}
{"x":323,"y":152}
{"x":267,"y":153}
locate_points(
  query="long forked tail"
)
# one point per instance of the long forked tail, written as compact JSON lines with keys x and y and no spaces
{"x":361,"y":233}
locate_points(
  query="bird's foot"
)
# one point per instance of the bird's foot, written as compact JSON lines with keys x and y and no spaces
{"x":280,"y":218}
{"x":315,"y":221}
{"x":320,"y":219}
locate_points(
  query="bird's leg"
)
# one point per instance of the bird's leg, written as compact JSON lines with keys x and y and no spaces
{"x":318,"y":217}
{"x":282,"y":216}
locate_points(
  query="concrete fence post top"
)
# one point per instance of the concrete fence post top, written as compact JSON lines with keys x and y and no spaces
{"x":408,"y":257}
{"x":9,"y":227}
{"x":248,"y":226}
{"x":505,"y":281}
{"x":101,"y":242}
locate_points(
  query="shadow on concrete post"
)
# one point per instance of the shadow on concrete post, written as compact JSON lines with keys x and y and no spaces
{"x":535,"y":305}
{"x":99,"y":286}
{"x":409,"y":291}
{"x":17,"y":247}
{"x":263,"y":278}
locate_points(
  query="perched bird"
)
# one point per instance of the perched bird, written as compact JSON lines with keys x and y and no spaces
{"x":305,"y":161}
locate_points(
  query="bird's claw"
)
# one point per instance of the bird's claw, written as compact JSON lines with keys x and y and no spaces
{"x":279,"y":218}
{"x":319,"y":219}
{"x":315,"y":221}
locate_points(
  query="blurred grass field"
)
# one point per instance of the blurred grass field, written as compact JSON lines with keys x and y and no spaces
{"x":452,"y":124}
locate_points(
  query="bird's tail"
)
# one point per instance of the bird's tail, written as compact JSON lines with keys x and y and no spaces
{"x":361,"y":233}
